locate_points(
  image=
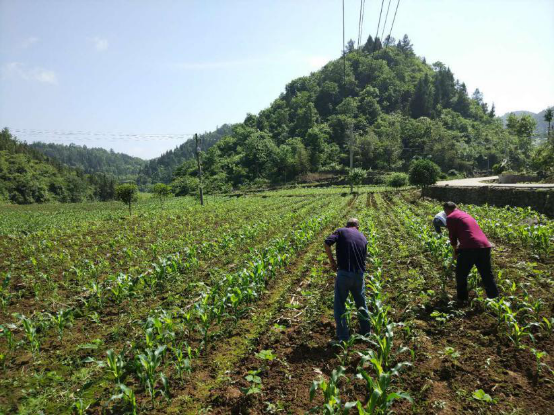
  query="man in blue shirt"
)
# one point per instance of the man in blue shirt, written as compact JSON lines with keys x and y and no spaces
{"x":351,"y":252}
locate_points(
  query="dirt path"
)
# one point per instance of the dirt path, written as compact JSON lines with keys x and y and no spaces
{"x":487,"y":181}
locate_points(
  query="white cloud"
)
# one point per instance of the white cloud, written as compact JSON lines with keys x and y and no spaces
{"x":22,"y":71}
{"x":30,"y":41}
{"x":100,"y":44}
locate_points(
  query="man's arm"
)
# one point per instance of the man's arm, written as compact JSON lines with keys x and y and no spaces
{"x":330,"y":256}
{"x":453,"y":235}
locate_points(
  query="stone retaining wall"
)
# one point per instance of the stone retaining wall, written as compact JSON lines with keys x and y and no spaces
{"x":541,"y":200}
{"x":509,"y":178}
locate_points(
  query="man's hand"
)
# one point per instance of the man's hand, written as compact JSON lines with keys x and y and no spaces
{"x":330,"y":257}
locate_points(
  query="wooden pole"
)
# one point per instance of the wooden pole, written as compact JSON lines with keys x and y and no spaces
{"x":198,"y":150}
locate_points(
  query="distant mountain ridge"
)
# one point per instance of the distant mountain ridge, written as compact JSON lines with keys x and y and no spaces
{"x":93,"y":159}
{"x":161,"y":168}
{"x":542,"y":125}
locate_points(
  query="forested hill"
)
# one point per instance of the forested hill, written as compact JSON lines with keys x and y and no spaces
{"x":93,"y":160}
{"x":398,"y":107}
{"x":542,"y":124}
{"x":161,"y":168}
{"x":28,"y":176}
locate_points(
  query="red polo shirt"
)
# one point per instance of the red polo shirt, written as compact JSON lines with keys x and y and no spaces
{"x":462,"y":227}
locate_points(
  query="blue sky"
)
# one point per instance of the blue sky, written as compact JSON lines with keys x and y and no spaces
{"x":107,"y":73}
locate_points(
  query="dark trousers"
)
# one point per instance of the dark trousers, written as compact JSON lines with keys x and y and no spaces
{"x":345,"y":283}
{"x":480,"y":257}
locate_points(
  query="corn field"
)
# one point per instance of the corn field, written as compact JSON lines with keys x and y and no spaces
{"x":228,"y":308}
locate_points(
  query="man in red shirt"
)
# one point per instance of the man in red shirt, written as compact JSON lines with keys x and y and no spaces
{"x":471,"y":247}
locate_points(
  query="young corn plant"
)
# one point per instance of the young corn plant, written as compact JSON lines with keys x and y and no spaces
{"x":379,"y":396}
{"x":147,"y":365}
{"x":61,"y":320}
{"x":127,"y":395}
{"x":539,"y":355}
{"x":81,"y":407}
{"x":115,"y":364}
{"x":30,"y":330}
{"x":183,"y":355}
{"x":331,"y":394}
{"x":6,"y":332}
{"x":5,"y":294}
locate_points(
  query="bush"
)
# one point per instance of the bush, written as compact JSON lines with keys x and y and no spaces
{"x":397,"y":180}
{"x":423,"y":173}
{"x":185,"y":185}
{"x":355,"y":177}
{"x":498,"y":168}
{"x":453,"y":172}
{"x":127,"y":193}
{"x":161,"y":191}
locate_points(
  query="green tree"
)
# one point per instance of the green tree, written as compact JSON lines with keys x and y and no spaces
{"x":548,"y":115}
{"x":423,"y":173}
{"x":397,"y":180}
{"x":127,"y":193}
{"x":422,"y":103}
{"x":161,"y":191}
{"x":355,"y":177}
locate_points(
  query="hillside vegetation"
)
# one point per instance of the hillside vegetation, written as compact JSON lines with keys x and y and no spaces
{"x":93,"y":159}
{"x":397,"y":107}
{"x":28,"y":176}
{"x":161,"y":168}
{"x":542,"y":125}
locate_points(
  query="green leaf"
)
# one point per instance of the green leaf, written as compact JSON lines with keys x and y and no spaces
{"x":482,"y":396}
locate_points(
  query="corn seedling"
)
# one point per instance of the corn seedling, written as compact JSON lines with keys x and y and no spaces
{"x":146,"y":365}
{"x":31,"y":333}
{"x":61,"y":320}
{"x":7,"y":333}
{"x":379,"y":398}
{"x":331,"y":393}
{"x":5,"y":295}
{"x":115,"y":364}
{"x":81,"y":407}
{"x":539,"y":355}
{"x":127,"y":395}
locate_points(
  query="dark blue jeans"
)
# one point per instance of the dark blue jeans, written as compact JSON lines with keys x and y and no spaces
{"x":350,"y":282}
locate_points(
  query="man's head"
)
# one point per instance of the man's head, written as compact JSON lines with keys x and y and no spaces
{"x":449,"y":207}
{"x":353,"y":222}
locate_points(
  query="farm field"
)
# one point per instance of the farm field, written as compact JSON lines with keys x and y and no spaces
{"x":228,"y":308}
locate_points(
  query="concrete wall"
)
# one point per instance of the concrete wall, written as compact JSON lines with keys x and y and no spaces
{"x":517,"y":178}
{"x":541,"y":200}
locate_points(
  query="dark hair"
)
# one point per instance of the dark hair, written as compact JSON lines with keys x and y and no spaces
{"x":450,"y":206}
{"x":352,"y":222}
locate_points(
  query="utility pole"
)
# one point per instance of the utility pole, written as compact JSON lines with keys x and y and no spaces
{"x":351,"y":144}
{"x":198,"y":150}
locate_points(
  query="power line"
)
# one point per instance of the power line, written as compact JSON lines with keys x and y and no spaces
{"x":394,"y":20}
{"x":386,"y":18}
{"x":80,"y":135}
{"x":361,"y":23}
{"x":343,"y":49}
{"x":378,"y":25}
